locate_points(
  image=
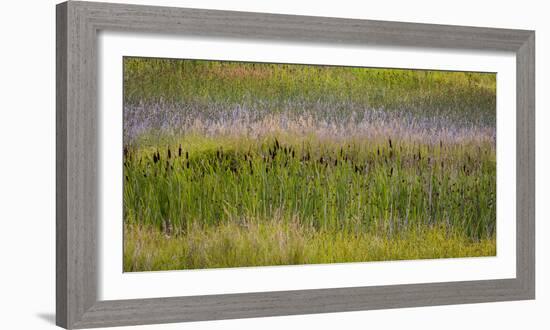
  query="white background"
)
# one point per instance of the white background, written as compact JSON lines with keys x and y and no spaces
{"x":27,"y":164}
{"x":117,"y":285}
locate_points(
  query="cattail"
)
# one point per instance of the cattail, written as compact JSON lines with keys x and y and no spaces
{"x":187,"y":164}
{"x":321,"y":160}
{"x":378,"y":151}
{"x":292,"y":153}
{"x":169,"y":153}
{"x":187,"y":155}
{"x":155,"y":160}
{"x":391,"y":147}
{"x":179,"y":151}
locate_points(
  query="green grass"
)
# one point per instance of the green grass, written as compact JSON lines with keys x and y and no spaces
{"x":273,"y":242}
{"x":356,"y":188}
{"x":272,"y":87}
{"x":325,"y":185}
{"x":304,"y":172}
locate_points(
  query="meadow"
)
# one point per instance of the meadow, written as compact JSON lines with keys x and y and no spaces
{"x":230,"y":164}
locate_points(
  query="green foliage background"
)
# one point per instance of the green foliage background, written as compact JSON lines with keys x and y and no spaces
{"x":197,"y":199}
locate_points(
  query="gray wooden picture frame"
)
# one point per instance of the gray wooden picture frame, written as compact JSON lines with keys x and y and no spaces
{"x":77,"y":151}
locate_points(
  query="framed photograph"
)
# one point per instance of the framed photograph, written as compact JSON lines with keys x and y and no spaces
{"x":216,"y":165}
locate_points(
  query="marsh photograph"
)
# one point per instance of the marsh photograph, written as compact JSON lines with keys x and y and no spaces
{"x":239,"y":164}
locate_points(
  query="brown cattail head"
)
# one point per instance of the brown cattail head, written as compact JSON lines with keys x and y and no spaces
{"x":169,"y":153}
{"x":179,"y":151}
